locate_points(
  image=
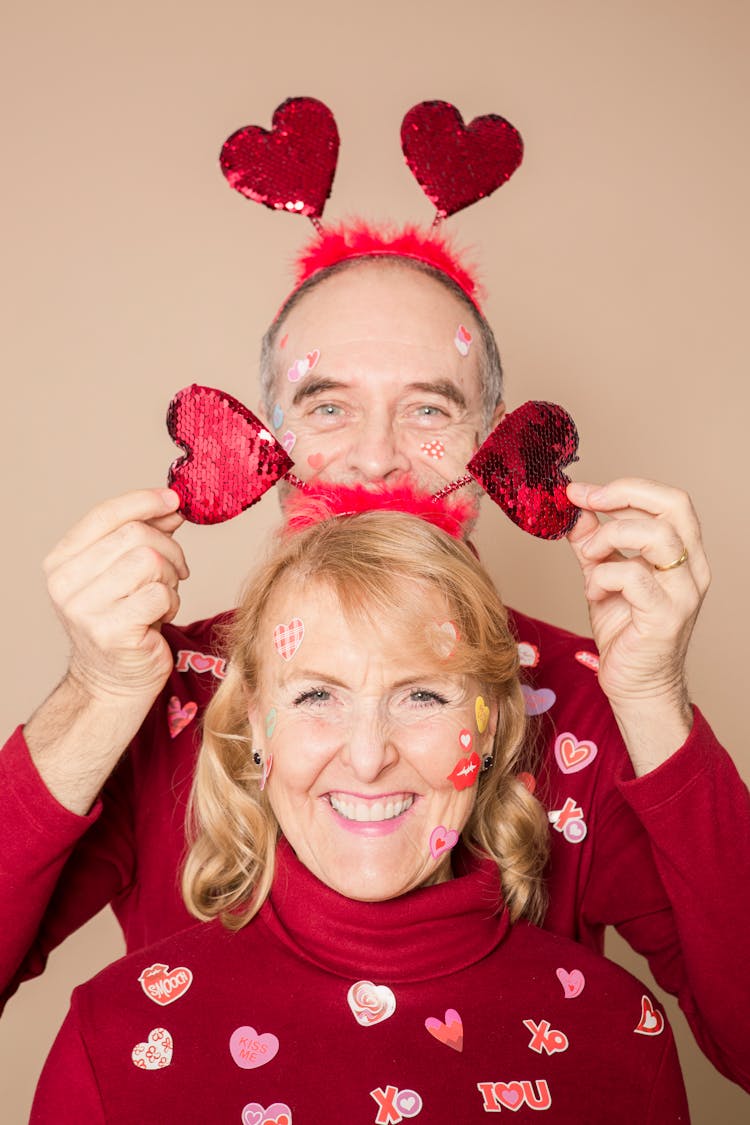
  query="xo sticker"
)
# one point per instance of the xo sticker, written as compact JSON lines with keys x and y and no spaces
{"x":394,"y":1104}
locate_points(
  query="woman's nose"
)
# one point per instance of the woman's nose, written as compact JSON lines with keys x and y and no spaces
{"x":370,"y":748}
{"x":376,"y":452}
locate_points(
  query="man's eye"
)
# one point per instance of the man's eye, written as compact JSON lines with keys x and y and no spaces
{"x":314,"y":695}
{"x":429,"y":411}
{"x":328,"y":410}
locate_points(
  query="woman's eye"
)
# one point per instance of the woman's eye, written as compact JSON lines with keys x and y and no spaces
{"x":314,"y":695}
{"x":424,"y":698}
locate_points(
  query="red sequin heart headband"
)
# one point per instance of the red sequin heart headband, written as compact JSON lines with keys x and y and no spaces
{"x":291,"y":168}
{"x":231,"y":459}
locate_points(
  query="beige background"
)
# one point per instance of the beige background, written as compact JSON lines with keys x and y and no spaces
{"x":616,"y":263}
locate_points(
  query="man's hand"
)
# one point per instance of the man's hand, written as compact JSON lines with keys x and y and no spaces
{"x":642,"y":616}
{"x":113,"y":580}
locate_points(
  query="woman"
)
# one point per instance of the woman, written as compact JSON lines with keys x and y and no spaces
{"x":368,"y":852}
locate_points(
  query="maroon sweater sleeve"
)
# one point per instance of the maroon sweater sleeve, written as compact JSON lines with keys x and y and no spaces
{"x":67,"y":1092}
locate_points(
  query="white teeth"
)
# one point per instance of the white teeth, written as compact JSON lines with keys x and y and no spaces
{"x":364,"y":811}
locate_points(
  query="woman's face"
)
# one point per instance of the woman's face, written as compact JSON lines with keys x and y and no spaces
{"x":376,"y":743}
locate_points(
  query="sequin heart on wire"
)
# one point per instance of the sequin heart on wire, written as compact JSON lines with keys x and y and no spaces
{"x":520,"y":466}
{"x":457,"y":164}
{"x":230,"y":458}
{"x":289,"y":167}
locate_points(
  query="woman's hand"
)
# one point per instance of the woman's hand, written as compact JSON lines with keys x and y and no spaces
{"x":642,"y":608}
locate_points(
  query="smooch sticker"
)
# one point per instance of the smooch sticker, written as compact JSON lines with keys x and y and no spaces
{"x":465,"y":772}
{"x":371,"y":1003}
{"x":588,"y":659}
{"x":442,"y":839}
{"x":251,"y":1050}
{"x":156,"y":1052}
{"x":450,"y":1032}
{"x":651,"y":1021}
{"x":164,"y":985}
{"x":277,"y":1114}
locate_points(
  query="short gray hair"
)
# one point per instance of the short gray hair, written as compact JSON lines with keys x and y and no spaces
{"x":490,"y":367}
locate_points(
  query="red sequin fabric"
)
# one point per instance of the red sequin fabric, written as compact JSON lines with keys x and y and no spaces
{"x":230,"y":459}
{"x":457,"y":164}
{"x":520,"y":466}
{"x":289,"y":167}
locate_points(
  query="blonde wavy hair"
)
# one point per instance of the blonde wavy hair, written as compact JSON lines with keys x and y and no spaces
{"x":378,"y":565}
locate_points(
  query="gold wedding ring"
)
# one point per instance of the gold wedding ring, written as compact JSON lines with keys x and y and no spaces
{"x":676,"y":563}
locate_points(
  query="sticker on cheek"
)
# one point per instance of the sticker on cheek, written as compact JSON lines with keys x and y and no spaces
{"x":288,"y":440}
{"x":442,"y":839}
{"x":288,"y":638}
{"x":462,"y":340}
{"x":304,"y":366}
{"x":277,"y":417}
{"x":482,"y":714}
{"x":465,"y":772}
{"x":315,"y":461}
{"x":434,"y":449}
{"x":444,"y":638}
{"x":271,"y":722}
{"x":267,"y":767}
{"x":466,"y":740}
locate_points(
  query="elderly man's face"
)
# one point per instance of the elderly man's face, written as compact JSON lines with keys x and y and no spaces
{"x":374,"y":740}
{"x":372,"y":383}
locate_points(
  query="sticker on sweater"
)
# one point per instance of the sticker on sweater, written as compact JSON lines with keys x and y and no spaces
{"x":543,"y":1038}
{"x":189,"y":661}
{"x":528,"y":781}
{"x":394,"y":1104}
{"x":288,"y":638}
{"x":450,"y":1032}
{"x":497,"y":1096}
{"x":434,"y":449}
{"x":156,"y":1052}
{"x":304,"y":366}
{"x":465,"y":772}
{"x":442,"y":839}
{"x":588,"y":659}
{"x":573,"y":982}
{"x":651,"y":1021}
{"x":462,"y":340}
{"x":267,"y":767}
{"x":371,"y":1003}
{"x":178,"y":717}
{"x":573,"y":755}
{"x":288,"y":441}
{"x":481,"y":714}
{"x":250,"y":1050}
{"x":569,"y":820}
{"x":277,"y":1114}
{"x":164,"y":985}
{"x":536,"y":702}
{"x":528,"y":655}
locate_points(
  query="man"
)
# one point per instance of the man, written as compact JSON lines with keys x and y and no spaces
{"x":387,"y":392}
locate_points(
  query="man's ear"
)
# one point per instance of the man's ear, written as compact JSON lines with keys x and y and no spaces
{"x":497,"y":415}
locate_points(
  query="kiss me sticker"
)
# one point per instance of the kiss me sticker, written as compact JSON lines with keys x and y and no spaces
{"x":251,"y":1050}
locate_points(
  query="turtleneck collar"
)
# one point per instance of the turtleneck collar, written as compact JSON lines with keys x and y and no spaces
{"x":417,"y":936}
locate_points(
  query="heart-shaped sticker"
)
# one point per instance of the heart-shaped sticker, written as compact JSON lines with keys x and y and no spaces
{"x":539,"y":701}
{"x":573,"y":755}
{"x":156,"y":1052}
{"x":573,"y":982}
{"x":277,"y":1114}
{"x":511,"y":1094}
{"x":450,"y":1032}
{"x":251,"y":1050}
{"x":651,"y":1021}
{"x":371,"y":1003}
{"x":457,"y":164}
{"x":164,"y":985}
{"x":520,"y":466}
{"x":291,"y":167}
{"x":230,"y":459}
{"x":178,"y":717}
{"x":288,"y":638}
{"x":481,"y":714}
{"x":442,"y":839}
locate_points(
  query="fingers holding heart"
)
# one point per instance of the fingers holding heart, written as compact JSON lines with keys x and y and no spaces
{"x":652,"y":539}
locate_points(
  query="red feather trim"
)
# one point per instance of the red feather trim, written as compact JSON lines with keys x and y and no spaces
{"x":359,"y":239}
{"x":320,"y":502}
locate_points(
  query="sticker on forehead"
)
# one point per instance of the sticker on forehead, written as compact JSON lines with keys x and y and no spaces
{"x":304,"y":366}
{"x":442,"y":839}
{"x":462,"y":340}
{"x":444,"y":637}
{"x":277,"y":417}
{"x":288,"y":638}
{"x":283,"y":340}
{"x":288,"y":440}
{"x":434,"y":449}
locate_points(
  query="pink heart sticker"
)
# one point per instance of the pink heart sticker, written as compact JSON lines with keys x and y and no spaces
{"x":277,"y":1114}
{"x":178,"y":717}
{"x":315,"y":461}
{"x":250,"y":1050}
{"x":442,"y":840}
{"x":510,"y":1094}
{"x":288,"y":638}
{"x":371,"y":1003}
{"x":156,"y":1053}
{"x":573,"y":982}
{"x":572,"y":755}
{"x":450,"y":1032}
{"x":539,"y":701}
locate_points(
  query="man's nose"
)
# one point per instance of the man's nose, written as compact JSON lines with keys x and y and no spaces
{"x":376,"y":452}
{"x":370,"y":748}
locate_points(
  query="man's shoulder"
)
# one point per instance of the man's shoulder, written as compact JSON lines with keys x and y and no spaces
{"x":208,"y":632}
{"x":540,"y":642}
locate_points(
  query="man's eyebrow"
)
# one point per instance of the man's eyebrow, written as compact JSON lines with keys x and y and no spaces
{"x":444,"y":388}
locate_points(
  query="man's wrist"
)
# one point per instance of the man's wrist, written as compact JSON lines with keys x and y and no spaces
{"x":653,"y":729}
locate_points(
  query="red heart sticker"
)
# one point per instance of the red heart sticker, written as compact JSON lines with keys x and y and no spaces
{"x":289,"y":167}
{"x":164,"y":985}
{"x":230,"y":459}
{"x":520,"y":466}
{"x":178,"y":717}
{"x":457,"y":164}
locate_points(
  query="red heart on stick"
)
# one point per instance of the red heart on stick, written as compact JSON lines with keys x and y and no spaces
{"x":520,"y":465}
{"x":290,"y":167}
{"x":457,"y":164}
{"x":230,"y":460}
